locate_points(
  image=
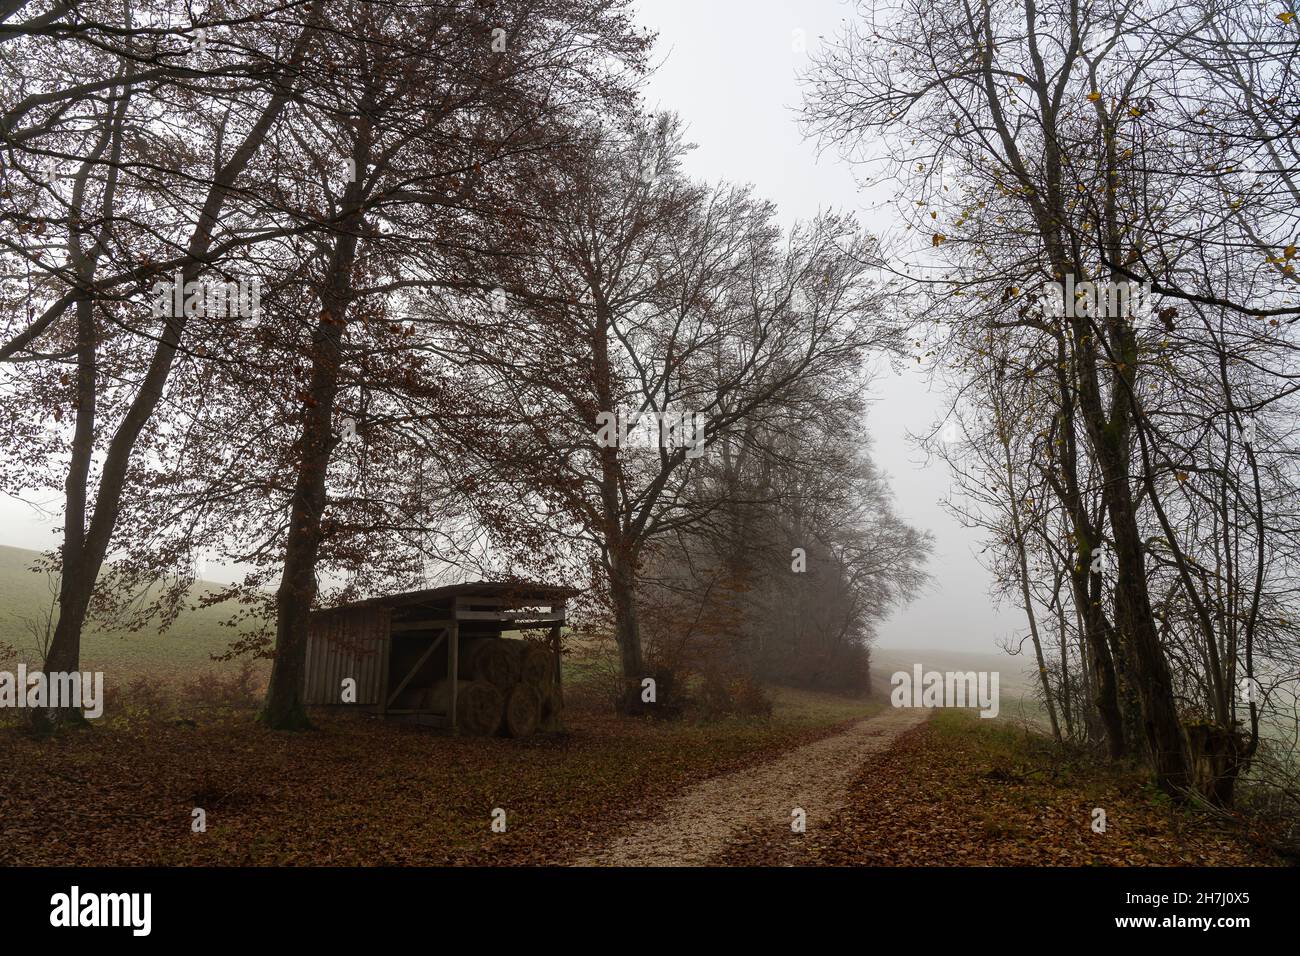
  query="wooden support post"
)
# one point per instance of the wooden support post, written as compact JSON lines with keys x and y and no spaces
{"x":555,"y":650}
{"x":384,"y":659}
{"x":453,"y":663}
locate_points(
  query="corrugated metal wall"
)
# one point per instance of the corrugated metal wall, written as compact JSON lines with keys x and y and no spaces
{"x":346,"y":643}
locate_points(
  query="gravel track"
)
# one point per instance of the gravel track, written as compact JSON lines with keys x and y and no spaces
{"x":698,"y":824}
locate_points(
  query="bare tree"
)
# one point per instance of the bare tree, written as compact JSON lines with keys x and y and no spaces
{"x":647,"y":303}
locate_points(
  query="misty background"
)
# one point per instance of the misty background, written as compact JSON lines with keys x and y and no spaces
{"x":730,"y":69}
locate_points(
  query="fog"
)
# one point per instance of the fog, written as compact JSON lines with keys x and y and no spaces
{"x":730,"y":68}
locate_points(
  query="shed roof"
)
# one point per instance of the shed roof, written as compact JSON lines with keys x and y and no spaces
{"x":520,"y":592}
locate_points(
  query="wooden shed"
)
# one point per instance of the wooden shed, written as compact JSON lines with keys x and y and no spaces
{"x":404,"y":653}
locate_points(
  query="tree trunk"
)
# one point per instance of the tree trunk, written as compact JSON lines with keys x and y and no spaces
{"x":1104,"y":679}
{"x":1108,"y":436}
{"x":622,"y":585}
{"x":80,"y":571}
{"x":1013,"y":500}
{"x":84,"y":555}
{"x":284,"y":708}
{"x":1094,"y":626}
{"x":1066,"y":704}
{"x":1216,"y":759}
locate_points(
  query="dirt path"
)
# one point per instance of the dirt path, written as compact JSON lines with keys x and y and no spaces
{"x":699,"y":823}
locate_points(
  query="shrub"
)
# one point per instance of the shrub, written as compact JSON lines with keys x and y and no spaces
{"x":145,"y":698}
{"x":724,"y":693}
{"x":750,"y":698}
{"x":210,"y":689}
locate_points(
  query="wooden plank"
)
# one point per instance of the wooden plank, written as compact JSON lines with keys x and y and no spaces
{"x":428,"y":652}
{"x":429,"y":625}
{"x":507,"y":616}
{"x":555,"y":650}
{"x":377,"y":658}
{"x":453,"y":663}
{"x":423,"y":717}
{"x":385,"y":657}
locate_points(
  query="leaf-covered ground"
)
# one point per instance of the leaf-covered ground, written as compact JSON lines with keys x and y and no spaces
{"x":958,"y":791}
{"x":359,"y":791}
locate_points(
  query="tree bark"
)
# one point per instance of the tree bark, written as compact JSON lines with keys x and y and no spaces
{"x":622,"y":584}
{"x":1013,"y":496}
{"x":285,"y":708}
{"x":84,"y":560}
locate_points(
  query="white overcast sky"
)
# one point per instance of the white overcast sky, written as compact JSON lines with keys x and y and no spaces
{"x":729,"y":67}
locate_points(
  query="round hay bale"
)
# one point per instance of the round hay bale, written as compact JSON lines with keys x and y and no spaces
{"x":489,"y":659}
{"x":550,"y":721}
{"x":536,"y":663}
{"x":479,"y":705}
{"x":523,"y":710}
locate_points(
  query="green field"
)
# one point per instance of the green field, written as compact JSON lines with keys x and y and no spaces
{"x":184,"y":648}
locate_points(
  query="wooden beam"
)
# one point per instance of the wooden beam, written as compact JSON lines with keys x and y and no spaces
{"x":509,"y":616}
{"x":429,"y":625}
{"x":384,"y":659}
{"x":428,"y":717}
{"x":428,"y":720}
{"x":428,"y":652}
{"x":453,"y":665}
{"x":555,"y":650}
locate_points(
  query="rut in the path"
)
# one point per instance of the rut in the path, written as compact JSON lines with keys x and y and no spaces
{"x":695,"y":826}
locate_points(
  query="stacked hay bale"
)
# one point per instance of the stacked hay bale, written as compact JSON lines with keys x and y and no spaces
{"x":479,"y":705}
{"x":489,"y":659}
{"x":532,"y":704}
{"x":552,"y":708}
{"x":515,"y":677}
{"x":548,"y":689}
{"x":523,"y":711}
